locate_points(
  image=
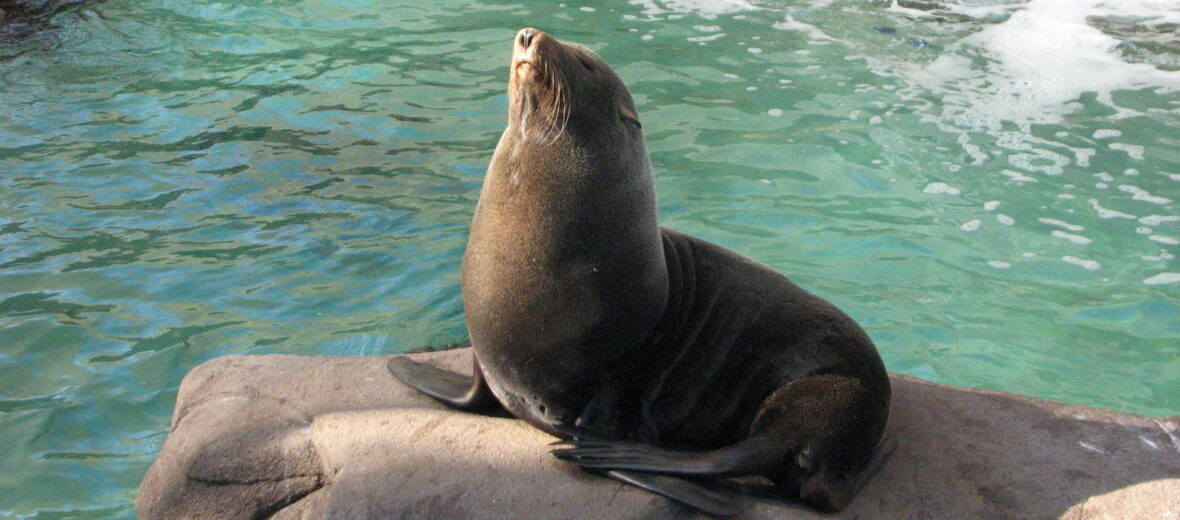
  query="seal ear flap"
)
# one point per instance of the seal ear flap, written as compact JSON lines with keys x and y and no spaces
{"x":627,"y":114}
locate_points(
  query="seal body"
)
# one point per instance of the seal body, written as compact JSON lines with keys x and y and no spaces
{"x":653,"y":352}
{"x":564,"y":271}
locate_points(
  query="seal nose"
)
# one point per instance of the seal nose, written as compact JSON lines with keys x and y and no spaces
{"x":525,"y":37}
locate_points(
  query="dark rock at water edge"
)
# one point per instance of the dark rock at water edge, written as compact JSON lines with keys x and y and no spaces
{"x":19,"y":18}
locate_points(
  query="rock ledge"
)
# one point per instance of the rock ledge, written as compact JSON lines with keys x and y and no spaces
{"x":286,"y":437}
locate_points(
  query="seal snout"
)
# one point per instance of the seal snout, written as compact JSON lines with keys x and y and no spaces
{"x":527,"y":43}
{"x":525,"y":37}
{"x":525,"y":53}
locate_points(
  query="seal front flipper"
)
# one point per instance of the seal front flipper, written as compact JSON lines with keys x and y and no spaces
{"x":455,"y":390}
{"x":716,"y":502}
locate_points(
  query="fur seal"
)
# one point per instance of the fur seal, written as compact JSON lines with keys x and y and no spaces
{"x":660,"y":358}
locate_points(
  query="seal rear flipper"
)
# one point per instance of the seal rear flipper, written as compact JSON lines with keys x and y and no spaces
{"x":455,"y":390}
{"x":714,"y":501}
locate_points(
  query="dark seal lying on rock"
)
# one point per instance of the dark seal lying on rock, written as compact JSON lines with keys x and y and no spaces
{"x":664,"y":360}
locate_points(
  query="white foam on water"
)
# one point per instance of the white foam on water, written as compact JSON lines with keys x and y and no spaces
{"x":936,"y":188}
{"x":1107,"y":213}
{"x":991,"y":205}
{"x":1085,"y":264}
{"x":1060,"y":223}
{"x":1134,"y":150}
{"x":1005,"y":219}
{"x":1037,"y":160}
{"x":999,"y":264}
{"x":1017,"y":176}
{"x":1032,"y":68}
{"x":1155,"y":220}
{"x":1048,"y":54}
{"x":1138,"y":193}
{"x":1164,"y":240}
{"x":1163,"y":278}
{"x":1082,"y":156}
{"x":908,"y":11}
{"x":815,"y":35}
{"x":985,"y":10}
{"x":971,"y":225}
{"x":1077,"y":239}
{"x":708,"y":9}
{"x":1035,"y":67}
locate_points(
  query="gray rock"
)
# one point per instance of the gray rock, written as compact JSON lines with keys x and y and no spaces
{"x":36,"y":10}
{"x":290,"y":437}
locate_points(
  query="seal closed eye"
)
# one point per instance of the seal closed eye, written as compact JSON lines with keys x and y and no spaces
{"x":660,"y":358}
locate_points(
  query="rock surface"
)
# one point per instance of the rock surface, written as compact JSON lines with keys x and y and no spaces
{"x":288,"y":437}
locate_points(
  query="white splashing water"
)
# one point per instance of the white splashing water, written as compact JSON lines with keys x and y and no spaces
{"x":1090,"y":265}
{"x":706,"y":8}
{"x":936,"y":188}
{"x":1044,"y":57}
{"x":1163,"y":278}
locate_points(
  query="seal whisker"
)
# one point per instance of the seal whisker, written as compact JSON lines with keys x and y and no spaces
{"x":551,"y":83}
{"x":560,"y":106}
{"x":565,"y":109}
{"x":522,"y":101}
{"x":557,"y":105}
{"x":565,"y":113}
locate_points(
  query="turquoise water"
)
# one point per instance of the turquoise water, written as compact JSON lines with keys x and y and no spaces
{"x":989,"y":188}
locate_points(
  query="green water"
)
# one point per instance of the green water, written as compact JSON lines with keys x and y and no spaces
{"x":182,"y":180}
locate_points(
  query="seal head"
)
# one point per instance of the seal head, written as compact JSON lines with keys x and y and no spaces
{"x":550,"y":80}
